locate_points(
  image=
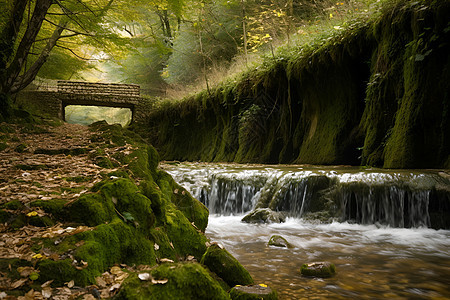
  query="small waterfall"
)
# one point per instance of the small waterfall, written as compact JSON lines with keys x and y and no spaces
{"x":395,"y":199}
{"x":229,"y":196}
{"x":388,"y":205}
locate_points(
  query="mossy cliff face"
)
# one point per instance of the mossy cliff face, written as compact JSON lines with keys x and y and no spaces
{"x":374,"y":94}
{"x":137,"y":215}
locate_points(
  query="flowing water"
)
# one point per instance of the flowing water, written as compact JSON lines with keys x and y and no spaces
{"x":375,"y":255}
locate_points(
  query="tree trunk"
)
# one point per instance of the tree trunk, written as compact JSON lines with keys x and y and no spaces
{"x":22,"y":81}
{"x":14,"y":69}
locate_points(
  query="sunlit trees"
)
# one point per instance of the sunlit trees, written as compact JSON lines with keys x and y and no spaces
{"x":31,"y":29}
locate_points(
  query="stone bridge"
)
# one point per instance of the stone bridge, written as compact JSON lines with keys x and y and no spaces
{"x":53,"y":102}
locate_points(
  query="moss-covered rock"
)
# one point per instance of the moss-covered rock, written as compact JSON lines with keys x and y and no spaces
{"x":13,"y":205}
{"x":193,"y":209}
{"x":264,"y":215}
{"x":318,"y":269}
{"x":221,"y":262}
{"x":173,"y":281}
{"x":279,"y":241}
{"x":253,"y":292}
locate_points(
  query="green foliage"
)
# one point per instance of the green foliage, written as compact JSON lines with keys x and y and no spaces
{"x":368,"y":87}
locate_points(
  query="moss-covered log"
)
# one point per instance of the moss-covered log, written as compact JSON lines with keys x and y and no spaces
{"x":375,"y":94}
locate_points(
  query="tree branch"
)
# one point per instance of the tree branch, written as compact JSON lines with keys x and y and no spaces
{"x":25,"y":79}
{"x":68,"y":29}
{"x":73,"y":52}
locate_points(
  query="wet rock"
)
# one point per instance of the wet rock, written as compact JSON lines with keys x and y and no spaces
{"x":253,"y":292}
{"x":221,"y":262}
{"x":279,"y":241}
{"x":264,"y":215}
{"x":318,"y":269}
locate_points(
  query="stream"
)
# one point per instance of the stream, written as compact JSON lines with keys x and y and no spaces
{"x":379,"y":237}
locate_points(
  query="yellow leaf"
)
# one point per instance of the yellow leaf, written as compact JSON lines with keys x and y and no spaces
{"x":263,"y":285}
{"x":38,"y":256}
{"x":331,"y":16}
{"x":32,"y":214}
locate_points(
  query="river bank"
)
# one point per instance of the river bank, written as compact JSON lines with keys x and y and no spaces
{"x":85,"y":212}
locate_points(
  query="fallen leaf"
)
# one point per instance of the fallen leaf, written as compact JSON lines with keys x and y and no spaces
{"x":18,"y":283}
{"x":32,"y":214}
{"x":100,"y":282}
{"x":164,"y":260}
{"x":25,"y":271}
{"x":47,"y":292}
{"x":160,"y":281}
{"x":37,"y":256}
{"x":70,"y":284}
{"x":156,"y":246}
{"x":121,"y":277}
{"x":46,"y":284}
{"x":144,"y":276}
{"x":114,"y":287}
{"x":34,"y":276}
{"x":88,"y":297}
{"x":115,"y":270}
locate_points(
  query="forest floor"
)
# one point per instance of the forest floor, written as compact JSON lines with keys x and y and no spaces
{"x":44,"y":163}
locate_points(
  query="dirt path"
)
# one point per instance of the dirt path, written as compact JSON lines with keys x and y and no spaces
{"x":44,"y":163}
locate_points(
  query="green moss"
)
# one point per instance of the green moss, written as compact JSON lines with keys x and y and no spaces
{"x":193,"y":209}
{"x":3,"y":146}
{"x":186,"y":239}
{"x":162,"y":246}
{"x":4,"y":216}
{"x":379,"y":86}
{"x":20,"y":148}
{"x":278,"y":241}
{"x":9,"y":266}
{"x":60,"y":271}
{"x":184,"y":281}
{"x":13,"y":205}
{"x":44,"y":221}
{"x":127,"y":199}
{"x":91,"y":209}
{"x":53,"y":206}
{"x":221,"y":262}
{"x":78,"y":179}
{"x":18,"y":221}
{"x":321,"y":269}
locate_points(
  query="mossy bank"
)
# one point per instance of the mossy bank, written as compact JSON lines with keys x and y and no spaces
{"x":375,"y":93}
{"x":135,"y":217}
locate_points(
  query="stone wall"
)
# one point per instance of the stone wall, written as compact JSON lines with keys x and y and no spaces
{"x":79,"y":87}
{"x":46,"y":102}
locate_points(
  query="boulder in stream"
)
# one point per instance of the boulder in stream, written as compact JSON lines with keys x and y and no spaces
{"x":253,"y":292}
{"x":264,"y":215}
{"x":279,"y":241}
{"x":318,"y":269}
{"x":221,"y":262}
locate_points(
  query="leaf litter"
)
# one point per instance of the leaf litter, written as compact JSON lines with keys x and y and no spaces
{"x":28,"y":176}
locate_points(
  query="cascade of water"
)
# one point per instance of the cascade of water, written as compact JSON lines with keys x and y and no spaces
{"x":393,"y":199}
